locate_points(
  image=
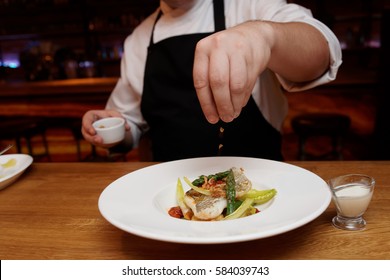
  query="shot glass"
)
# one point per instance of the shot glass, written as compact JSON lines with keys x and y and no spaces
{"x":351,"y":194}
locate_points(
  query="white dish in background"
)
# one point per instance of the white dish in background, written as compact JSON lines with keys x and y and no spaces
{"x":138,"y":202}
{"x":112,"y":130}
{"x":11,"y":174}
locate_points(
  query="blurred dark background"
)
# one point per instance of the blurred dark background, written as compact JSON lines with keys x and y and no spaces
{"x":51,"y":43}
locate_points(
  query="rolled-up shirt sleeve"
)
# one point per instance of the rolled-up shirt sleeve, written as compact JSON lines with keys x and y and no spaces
{"x":295,"y":13}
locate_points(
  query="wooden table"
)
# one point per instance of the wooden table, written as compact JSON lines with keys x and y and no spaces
{"x":51,"y":212}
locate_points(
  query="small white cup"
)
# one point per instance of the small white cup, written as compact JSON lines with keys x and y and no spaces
{"x":112,"y":129}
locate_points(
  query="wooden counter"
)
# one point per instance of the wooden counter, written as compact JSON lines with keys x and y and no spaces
{"x":70,"y":98}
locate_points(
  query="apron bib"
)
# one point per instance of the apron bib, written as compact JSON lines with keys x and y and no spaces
{"x":178,"y":128}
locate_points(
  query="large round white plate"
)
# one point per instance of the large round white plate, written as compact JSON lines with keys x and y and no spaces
{"x":11,"y":174}
{"x":138,"y":202}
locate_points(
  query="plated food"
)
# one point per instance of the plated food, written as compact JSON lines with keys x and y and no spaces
{"x":11,"y":167}
{"x":7,"y":167}
{"x":138,"y":202}
{"x":225,"y":195}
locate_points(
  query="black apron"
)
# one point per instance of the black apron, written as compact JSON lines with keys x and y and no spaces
{"x":178,"y":128}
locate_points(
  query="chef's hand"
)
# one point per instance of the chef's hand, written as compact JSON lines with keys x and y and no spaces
{"x":228,"y":63}
{"x":226,"y":67}
{"x":89,"y":132}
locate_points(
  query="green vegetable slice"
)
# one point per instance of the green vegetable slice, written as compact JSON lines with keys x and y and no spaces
{"x":180,"y":199}
{"x":260,"y":196}
{"x":246,"y":204}
{"x":230,"y":193}
{"x":250,"y":211}
{"x":217,"y":176}
{"x":195,"y":188}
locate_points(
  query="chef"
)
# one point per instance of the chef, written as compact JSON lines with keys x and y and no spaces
{"x":205,"y":78}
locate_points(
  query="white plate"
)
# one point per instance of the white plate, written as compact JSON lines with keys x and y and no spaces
{"x":138,"y":202}
{"x":9,"y":175}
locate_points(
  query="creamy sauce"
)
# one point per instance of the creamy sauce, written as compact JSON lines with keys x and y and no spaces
{"x":352,"y":200}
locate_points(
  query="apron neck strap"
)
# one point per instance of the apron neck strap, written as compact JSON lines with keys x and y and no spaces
{"x":154,"y":25}
{"x":219,"y":15}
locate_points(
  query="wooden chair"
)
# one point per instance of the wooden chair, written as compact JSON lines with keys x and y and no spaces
{"x":72,"y":124}
{"x":331,"y":125}
{"x":19,"y":128}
